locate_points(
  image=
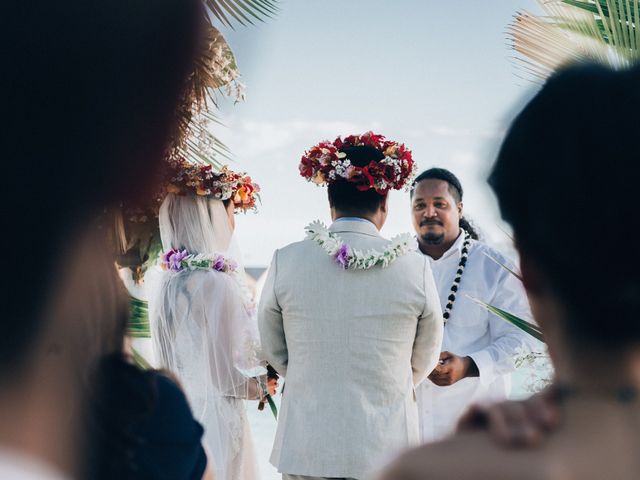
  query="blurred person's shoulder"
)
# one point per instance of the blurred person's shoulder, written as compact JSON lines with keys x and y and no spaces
{"x":16,"y":465}
{"x":467,"y":456}
{"x":170,"y":417}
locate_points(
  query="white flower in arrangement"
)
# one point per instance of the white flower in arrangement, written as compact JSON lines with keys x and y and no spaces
{"x":342,"y":168}
{"x":348,"y":258}
{"x":538,"y":366}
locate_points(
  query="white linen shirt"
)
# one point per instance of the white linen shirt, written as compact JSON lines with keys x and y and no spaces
{"x":472,"y":331}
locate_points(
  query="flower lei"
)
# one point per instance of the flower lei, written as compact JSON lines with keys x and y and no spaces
{"x":325,"y":163}
{"x":182,"y":177}
{"x":177,"y":261}
{"x":456,"y":281}
{"x":349,"y":258}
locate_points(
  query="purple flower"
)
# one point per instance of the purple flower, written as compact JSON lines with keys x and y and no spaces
{"x":343,"y":255}
{"x":172,"y":260}
{"x":218,"y":263}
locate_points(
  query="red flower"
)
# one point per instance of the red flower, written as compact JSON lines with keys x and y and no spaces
{"x":319,"y":163}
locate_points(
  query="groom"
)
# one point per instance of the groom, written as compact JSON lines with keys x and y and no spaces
{"x":353,"y":331}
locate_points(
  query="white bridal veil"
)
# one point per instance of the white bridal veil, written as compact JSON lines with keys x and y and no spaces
{"x":202,"y":323}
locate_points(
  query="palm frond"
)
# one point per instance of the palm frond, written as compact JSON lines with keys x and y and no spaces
{"x":518,"y":275}
{"x":573,"y":31}
{"x":242,"y":11}
{"x":215,"y":72}
{"x":138,"y":319}
{"x":140,"y":360}
{"x":527,"y":327}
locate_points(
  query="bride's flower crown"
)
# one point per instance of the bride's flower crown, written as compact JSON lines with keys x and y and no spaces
{"x":185,"y":178}
{"x":324,"y":163}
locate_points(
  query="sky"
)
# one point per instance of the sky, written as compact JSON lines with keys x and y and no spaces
{"x":437,"y":76}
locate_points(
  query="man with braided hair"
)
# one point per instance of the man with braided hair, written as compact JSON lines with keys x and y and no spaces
{"x":479,"y":349}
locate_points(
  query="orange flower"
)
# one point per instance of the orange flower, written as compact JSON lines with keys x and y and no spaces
{"x":171,"y":188}
{"x":391,"y":150}
{"x":242,"y":195}
{"x":319,"y":178}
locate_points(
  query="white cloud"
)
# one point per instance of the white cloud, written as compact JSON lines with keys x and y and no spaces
{"x":249,"y":139}
{"x":446,"y":131}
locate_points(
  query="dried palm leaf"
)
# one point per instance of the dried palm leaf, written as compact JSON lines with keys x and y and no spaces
{"x":572,"y":31}
{"x":215,"y":70}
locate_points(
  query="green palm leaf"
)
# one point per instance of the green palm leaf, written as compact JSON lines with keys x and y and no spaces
{"x":139,"y":319}
{"x":139,"y":360}
{"x":527,"y":327}
{"x":510,"y":270}
{"x":242,"y":11}
{"x":571,"y":31}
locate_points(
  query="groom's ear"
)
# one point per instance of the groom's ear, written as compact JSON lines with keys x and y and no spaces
{"x":384,"y":205}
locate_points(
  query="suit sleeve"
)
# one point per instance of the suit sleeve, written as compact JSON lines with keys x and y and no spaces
{"x":506,"y":340}
{"x":428,"y":341}
{"x":272,"y":336}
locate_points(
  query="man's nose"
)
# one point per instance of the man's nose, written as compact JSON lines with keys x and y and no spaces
{"x":430,"y":212}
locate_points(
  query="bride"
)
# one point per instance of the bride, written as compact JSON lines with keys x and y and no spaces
{"x":203,"y":327}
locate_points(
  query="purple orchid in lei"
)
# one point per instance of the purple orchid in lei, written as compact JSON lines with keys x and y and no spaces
{"x":343,"y":256}
{"x":218,"y":263}
{"x":222,"y":264}
{"x":172,"y":260}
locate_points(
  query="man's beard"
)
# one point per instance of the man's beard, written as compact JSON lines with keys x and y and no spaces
{"x":433,"y":238}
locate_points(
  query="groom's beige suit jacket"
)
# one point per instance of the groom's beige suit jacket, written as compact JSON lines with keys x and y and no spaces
{"x":351,"y":344}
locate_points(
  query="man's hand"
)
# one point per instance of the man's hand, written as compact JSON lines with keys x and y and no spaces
{"x":451,"y":368}
{"x":516,"y":424}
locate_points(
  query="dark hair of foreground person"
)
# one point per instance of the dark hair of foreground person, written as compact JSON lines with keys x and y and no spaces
{"x":566,"y":180}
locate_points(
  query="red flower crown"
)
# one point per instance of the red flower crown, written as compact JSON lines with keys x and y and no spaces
{"x":325,"y":163}
{"x":185,"y":178}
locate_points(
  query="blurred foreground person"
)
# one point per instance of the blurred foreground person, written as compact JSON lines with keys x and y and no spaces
{"x":566,"y":179}
{"x":88,"y":94}
{"x":142,"y":427}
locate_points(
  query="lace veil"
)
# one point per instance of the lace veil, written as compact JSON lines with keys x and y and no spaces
{"x":202,"y":323}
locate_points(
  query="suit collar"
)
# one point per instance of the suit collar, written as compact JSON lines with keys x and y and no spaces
{"x":355,"y":226}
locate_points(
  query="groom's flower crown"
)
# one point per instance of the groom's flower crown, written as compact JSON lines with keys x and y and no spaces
{"x":324,"y":163}
{"x":182,"y":178}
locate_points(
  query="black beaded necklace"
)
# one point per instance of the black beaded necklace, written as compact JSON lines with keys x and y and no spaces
{"x":456,"y":281}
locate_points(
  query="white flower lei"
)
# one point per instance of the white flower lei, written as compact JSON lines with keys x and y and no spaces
{"x":349,"y":258}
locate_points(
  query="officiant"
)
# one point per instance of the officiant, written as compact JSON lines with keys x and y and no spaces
{"x":479,"y":349}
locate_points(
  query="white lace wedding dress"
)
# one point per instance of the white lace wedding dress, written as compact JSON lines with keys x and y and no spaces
{"x":203,"y":331}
